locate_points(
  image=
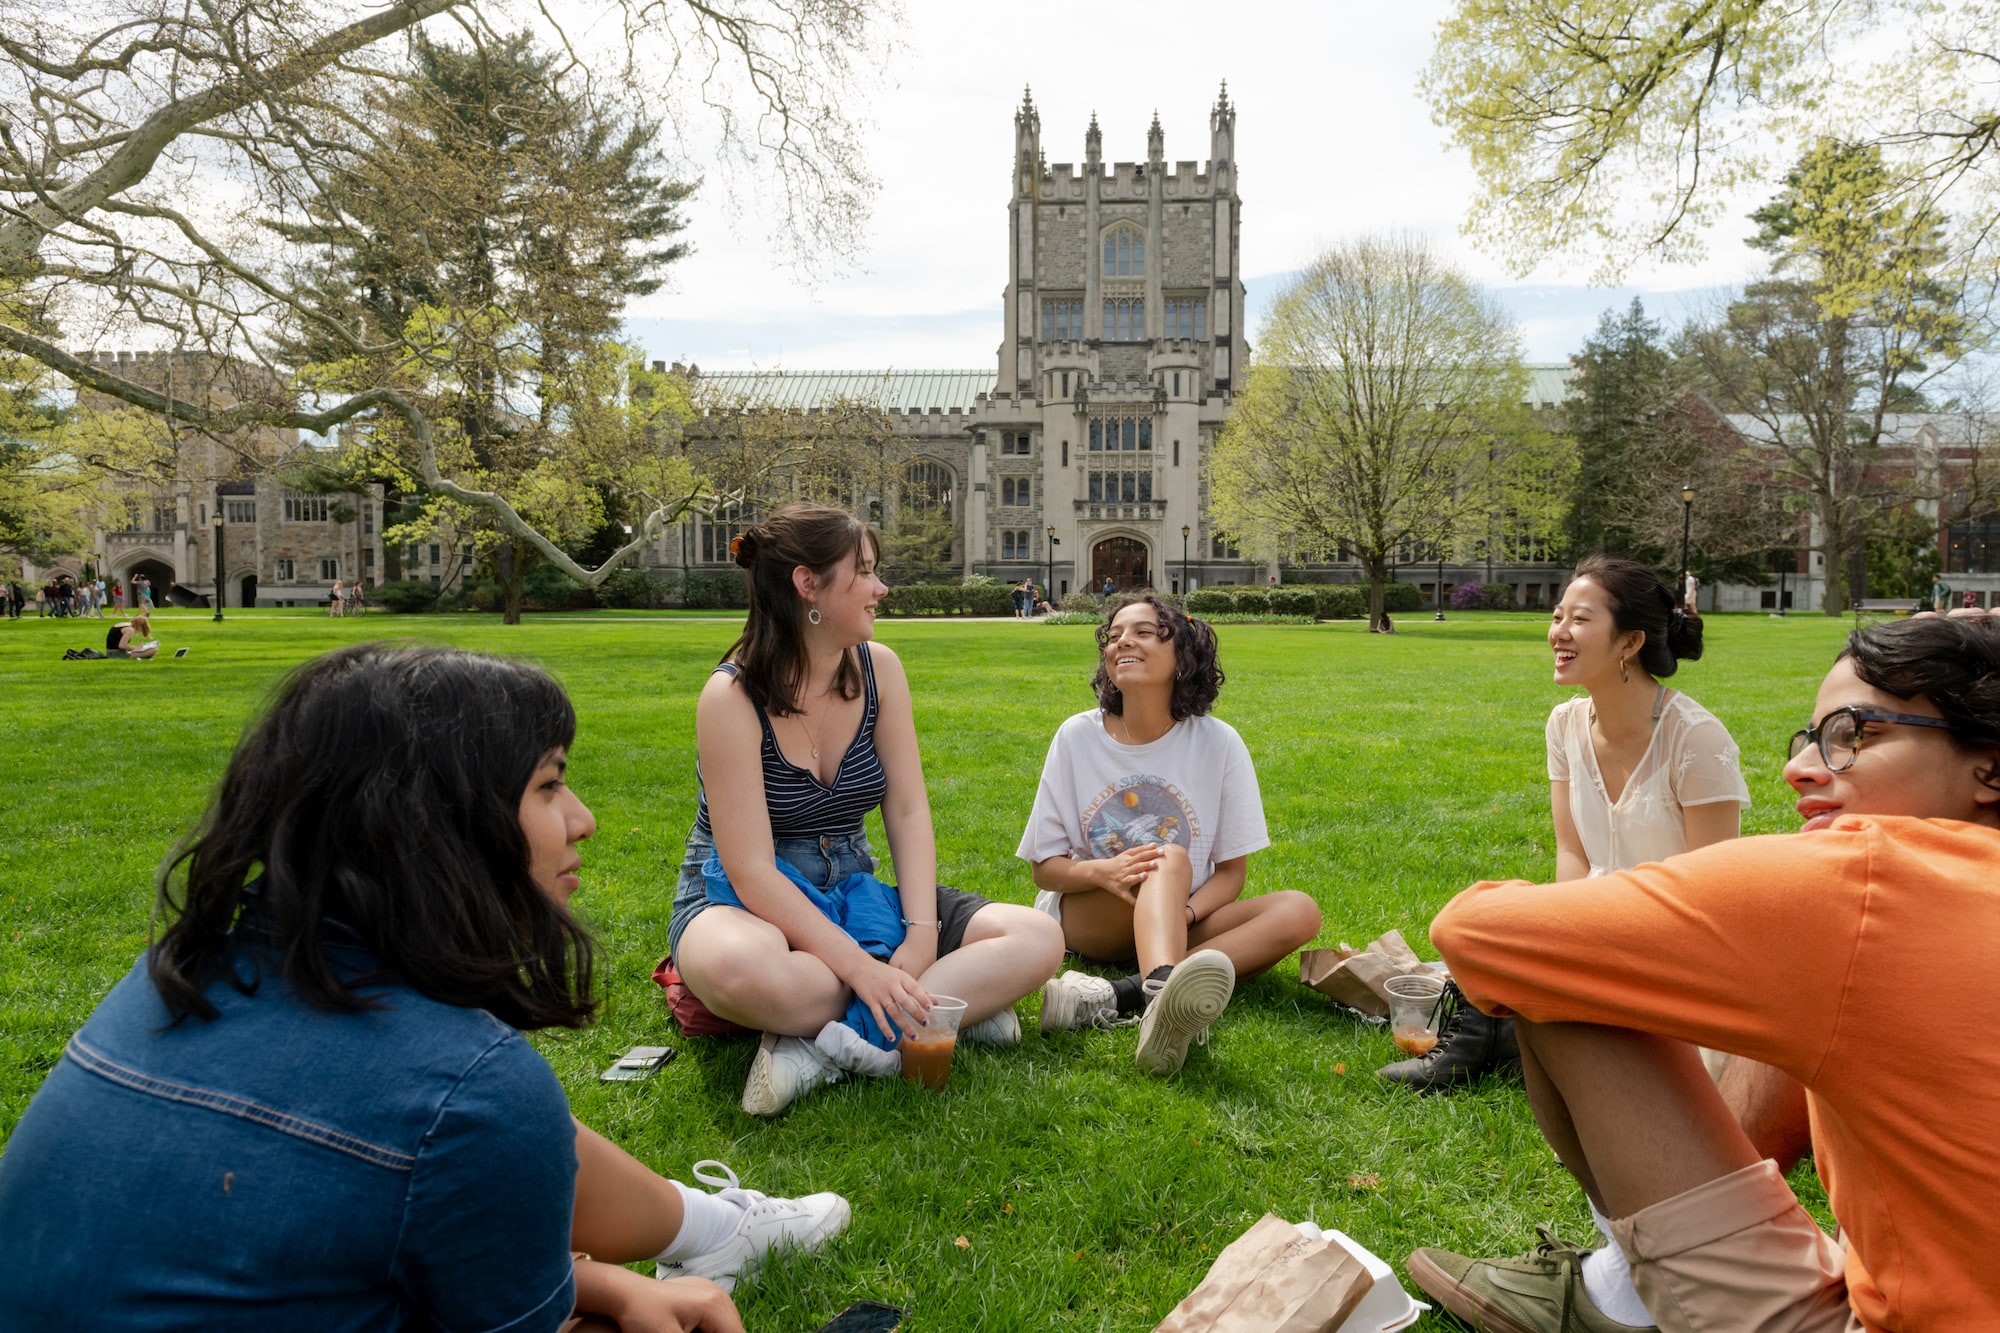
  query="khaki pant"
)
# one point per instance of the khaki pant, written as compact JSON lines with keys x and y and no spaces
{"x":1737,"y":1255}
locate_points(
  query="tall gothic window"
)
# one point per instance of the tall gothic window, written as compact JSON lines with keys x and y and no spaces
{"x":1125,"y":253}
{"x":1187,"y":317}
{"x":928,"y":485}
{"x":1125,"y":321}
{"x":1062,"y":320}
{"x":1107,"y":433}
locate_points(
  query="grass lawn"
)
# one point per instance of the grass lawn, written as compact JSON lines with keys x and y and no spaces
{"x":1052,"y":1186}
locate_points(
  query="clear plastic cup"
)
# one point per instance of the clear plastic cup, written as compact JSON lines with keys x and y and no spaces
{"x":927,"y":1051}
{"x":1413,"y":1005}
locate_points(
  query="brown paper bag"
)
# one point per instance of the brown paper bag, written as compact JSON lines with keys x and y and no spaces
{"x":1271,"y":1279}
{"x":1356,"y":977}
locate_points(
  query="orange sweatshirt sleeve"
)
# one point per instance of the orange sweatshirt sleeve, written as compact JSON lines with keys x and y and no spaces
{"x":1744,"y":946}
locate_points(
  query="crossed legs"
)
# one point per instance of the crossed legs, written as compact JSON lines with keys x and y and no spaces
{"x":744,"y":970}
{"x":1253,"y":933}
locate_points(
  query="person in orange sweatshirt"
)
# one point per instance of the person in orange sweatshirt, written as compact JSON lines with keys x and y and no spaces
{"x":1851,"y":957}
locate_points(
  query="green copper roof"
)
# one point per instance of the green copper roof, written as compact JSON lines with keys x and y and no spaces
{"x":896,"y":390}
{"x":1550,"y":382}
{"x":922,"y":390}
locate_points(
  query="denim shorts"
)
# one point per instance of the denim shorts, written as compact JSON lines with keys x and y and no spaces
{"x":825,"y":861}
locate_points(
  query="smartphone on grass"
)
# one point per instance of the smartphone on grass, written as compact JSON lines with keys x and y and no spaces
{"x":639,"y":1062}
{"x":865,"y":1317}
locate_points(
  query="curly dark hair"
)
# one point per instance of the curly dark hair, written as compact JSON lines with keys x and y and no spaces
{"x":1197,"y":671}
{"x":1953,"y":662}
{"x":377,"y":802}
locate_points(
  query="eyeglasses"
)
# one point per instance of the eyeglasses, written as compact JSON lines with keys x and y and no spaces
{"x":1145,"y":631}
{"x":1838,"y":734}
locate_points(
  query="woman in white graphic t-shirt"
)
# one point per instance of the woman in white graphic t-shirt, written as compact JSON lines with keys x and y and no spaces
{"x":1141,"y":836}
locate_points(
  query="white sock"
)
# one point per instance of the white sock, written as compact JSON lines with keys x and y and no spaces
{"x":707,"y":1220}
{"x":844,"y":1046}
{"x":1608,"y":1279}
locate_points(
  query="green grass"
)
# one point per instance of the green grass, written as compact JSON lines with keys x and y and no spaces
{"x":1395,"y":771}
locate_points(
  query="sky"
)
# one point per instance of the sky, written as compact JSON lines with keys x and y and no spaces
{"x":1332,"y":140}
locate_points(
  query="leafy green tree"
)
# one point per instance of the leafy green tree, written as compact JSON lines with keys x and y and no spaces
{"x":123,"y":117}
{"x":1641,"y":438}
{"x":1860,"y":316}
{"x":1382,"y":410}
{"x":1614,"y":127}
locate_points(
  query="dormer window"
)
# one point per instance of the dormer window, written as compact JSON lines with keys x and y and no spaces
{"x":1125,"y":253}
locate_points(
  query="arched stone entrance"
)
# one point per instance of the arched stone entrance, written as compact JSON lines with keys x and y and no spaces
{"x":247,"y":594}
{"x":1121,"y":559}
{"x":159,"y":573}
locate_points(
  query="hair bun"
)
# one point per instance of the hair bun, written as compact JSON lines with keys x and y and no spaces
{"x":1684,"y":634}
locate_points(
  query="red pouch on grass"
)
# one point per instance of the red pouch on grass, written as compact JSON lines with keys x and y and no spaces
{"x":694,"y":1017}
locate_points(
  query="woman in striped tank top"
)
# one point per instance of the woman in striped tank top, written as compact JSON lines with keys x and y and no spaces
{"x":803,"y":729}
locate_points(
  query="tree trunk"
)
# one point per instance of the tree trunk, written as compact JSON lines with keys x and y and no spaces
{"x":1835,"y":559}
{"x":1378,"y":578}
{"x":511,"y":570}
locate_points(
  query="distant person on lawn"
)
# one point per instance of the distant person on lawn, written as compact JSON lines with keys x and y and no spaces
{"x":1141,"y":835}
{"x":803,"y":729}
{"x":1854,"y":957}
{"x":310,"y":1105}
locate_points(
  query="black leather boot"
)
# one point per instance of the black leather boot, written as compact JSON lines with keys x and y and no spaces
{"x":1470,"y":1044}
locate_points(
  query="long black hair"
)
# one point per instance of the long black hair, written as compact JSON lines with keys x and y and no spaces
{"x":1640,"y":600}
{"x":1197,"y":669}
{"x":771,"y":654}
{"x":1953,"y":661}
{"x":377,"y":802}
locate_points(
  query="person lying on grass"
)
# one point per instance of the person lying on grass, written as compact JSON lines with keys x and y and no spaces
{"x":1141,"y":836}
{"x":1850,"y":957}
{"x":802,"y":730}
{"x":310,"y":1105}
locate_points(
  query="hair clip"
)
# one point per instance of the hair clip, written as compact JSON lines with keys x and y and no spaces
{"x":735,"y":547}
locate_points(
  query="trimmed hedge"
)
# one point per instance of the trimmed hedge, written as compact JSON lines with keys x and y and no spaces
{"x":406,"y":596}
{"x":1402,"y":599}
{"x":1293,"y":601}
{"x":1250,"y":601}
{"x":949,"y":599}
{"x":1082,"y":603}
{"x":1207,"y":601}
{"x":633,"y":589}
{"x":1340,"y":601}
{"x":724,"y":592}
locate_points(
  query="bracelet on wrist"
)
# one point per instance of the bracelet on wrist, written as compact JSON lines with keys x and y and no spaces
{"x":934,"y":925}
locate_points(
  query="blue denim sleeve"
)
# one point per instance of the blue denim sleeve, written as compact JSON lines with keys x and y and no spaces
{"x":485,"y":1243}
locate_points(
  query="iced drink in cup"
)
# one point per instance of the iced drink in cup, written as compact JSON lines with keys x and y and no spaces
{"x":927,"y":1051}
{"x":1413,"y":1005}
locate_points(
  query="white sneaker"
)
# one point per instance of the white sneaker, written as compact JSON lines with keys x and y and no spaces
{"x":1002,"y":1029}
{"x":1077,"y":1000}
{"x":852,"y":1054}
{"x":768,"y":1224}
{"x":1180,"y":1009}
{"x":785,"y":1069}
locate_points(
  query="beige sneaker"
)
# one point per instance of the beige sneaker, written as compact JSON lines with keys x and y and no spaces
{"x":1179,"y":1009}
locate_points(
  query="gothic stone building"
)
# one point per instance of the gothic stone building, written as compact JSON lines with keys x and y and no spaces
{"x":1122,"y":330}
{"x":279,"y":547}
{"x":1080,"y":457}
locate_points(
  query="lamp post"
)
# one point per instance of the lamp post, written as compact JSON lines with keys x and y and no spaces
{"x":1185,"y":530}
{"x":1440,"y":582}
{"x":1687,"y":518}
{"x":1054,"y":541}
{"x":215,"y":525}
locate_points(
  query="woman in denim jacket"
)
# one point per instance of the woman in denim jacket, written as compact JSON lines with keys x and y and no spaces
{"x":310,"y":1105}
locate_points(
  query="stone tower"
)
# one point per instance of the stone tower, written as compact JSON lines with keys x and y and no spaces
{"x":1123,"y":331}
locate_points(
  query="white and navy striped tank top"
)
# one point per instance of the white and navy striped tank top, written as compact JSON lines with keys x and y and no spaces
{"x":802,"y":806}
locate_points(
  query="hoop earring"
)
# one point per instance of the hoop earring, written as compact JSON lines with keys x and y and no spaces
{"x":1623,"y":677}
{"x":812,"y":615}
